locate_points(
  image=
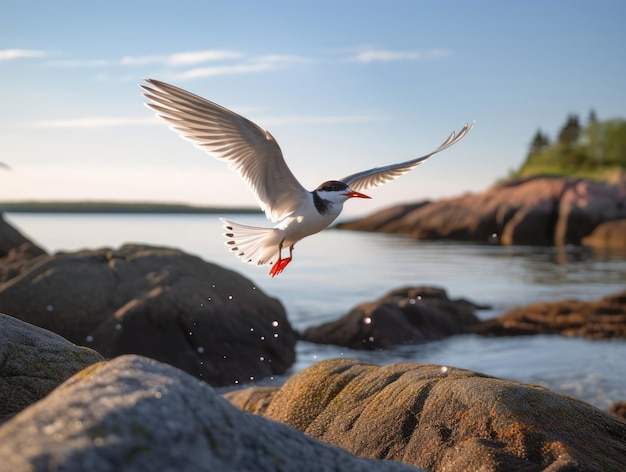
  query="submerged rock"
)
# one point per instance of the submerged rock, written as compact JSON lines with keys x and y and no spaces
{"x":540,"y":211}
{"x":135,"y":414}
{"x":600,"y":319}
{"x":33,"y":362}
{"x":403,"y":316}
{"x":442,"y":418}
{"x":157,"y":302}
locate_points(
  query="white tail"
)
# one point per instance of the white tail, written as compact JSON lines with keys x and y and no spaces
{"x":253,"y":244}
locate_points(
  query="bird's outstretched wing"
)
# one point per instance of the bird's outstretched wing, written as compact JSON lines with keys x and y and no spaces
{"x":249,"y":150}
{"x":379,"y":175}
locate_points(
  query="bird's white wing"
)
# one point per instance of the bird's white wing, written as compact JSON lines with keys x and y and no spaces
{"x":379,"y":175}
{"x":248,"y":149}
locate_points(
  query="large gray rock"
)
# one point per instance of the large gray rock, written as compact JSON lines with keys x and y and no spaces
{"x":33,"y":362}
{"x":541,"y":211}
{"x":135,"y":414}
{"x":157,"y":302}
{"x":407,"y":315}
{"x":442,"y":418}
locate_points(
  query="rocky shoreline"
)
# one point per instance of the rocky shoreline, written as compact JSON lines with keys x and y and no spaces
{"x":142,"y":399}
{"x":533,"y":211}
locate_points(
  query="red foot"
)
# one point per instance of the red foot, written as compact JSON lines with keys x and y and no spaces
{"x":279,"y":266}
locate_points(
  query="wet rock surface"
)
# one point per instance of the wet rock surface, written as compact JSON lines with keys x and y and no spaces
{"x":600,"y":319}
{"x":442,"y":418}
{"x":537,"y":211}
{"x":158,"y":302}
{"x":404,"y":316}
{"x":136,"y":414}
{"x":33,"y":362}
{"x":608,"y":235}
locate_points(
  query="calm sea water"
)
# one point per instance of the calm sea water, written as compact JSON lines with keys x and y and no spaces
{"x":335,"y":270}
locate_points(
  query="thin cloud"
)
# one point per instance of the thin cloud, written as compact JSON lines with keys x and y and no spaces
{"x":385,"y":55}
{"x":93,"y":122}
{"x":255,"y":65}
{"x":8,"y":54}
{"x":327,"y":119}
{"x":182,"y":58}
{"x":80,"y":63}
{"x":224,"y":70}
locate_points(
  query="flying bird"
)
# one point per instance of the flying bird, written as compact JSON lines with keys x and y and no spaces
{"x":256,"y":156}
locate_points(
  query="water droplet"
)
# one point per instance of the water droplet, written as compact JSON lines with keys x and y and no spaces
{"x":209,"y":299}
{"x":412,"y":301}
{"x":275,"y":335}
{"x":213,"y":285}
{"x":367,"y":320}
{"x":262,"y":338}
{"x":230,"y":297}
{"x":118,"y":326}
{"x":253,"y":287}
{"x":261,"y":358}
{"x":444,"y":369}
{"x":419,"y":297}
{"x":236,"y":381}
{"x":201,"y":304}
{"x":89,"y":339}
{"x":224,"y":357}
{"x":200,"y":350}
{"x":274,"y":323}
{"x":371,"y":339}
{"x":157,"y":395}
{"x":251,"y":329}
{"x":49,"y":307}
{"x":251,"y":377}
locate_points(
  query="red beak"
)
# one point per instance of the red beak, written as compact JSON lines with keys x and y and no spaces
{"x":353,"y":194}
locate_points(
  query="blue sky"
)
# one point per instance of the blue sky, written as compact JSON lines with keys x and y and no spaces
{"x":342,"y":85}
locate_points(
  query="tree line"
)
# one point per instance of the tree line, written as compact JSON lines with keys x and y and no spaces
{"x":595,"y":149}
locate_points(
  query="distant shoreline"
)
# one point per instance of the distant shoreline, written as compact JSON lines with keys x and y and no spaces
{"x":117,"y":207}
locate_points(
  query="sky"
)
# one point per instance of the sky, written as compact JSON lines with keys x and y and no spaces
{"x":342,"y":85}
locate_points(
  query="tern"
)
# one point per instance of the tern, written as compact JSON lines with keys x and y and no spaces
{"x":256,"y":156}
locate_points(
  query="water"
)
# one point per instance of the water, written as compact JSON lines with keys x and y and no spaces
{"x":335,"y":270}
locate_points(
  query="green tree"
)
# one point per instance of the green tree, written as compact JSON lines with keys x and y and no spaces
{"x":539,"y":143}
{"x":569,"y":134}
{"x":597,"y":150}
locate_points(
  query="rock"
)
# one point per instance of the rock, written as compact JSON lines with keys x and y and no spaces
{"x":403,"y":316}
{"x":11,"y":240}
{"x":17,"y":253}
{"x":135,"y":414}
{"x":33,"y":362}
{"x":444,"y":418}
{"x":619,"y":409}
{"x":608,"y":235}
{"x":157,"y":302}
{"x":601,"y":319}
{"x":539,"y":211}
